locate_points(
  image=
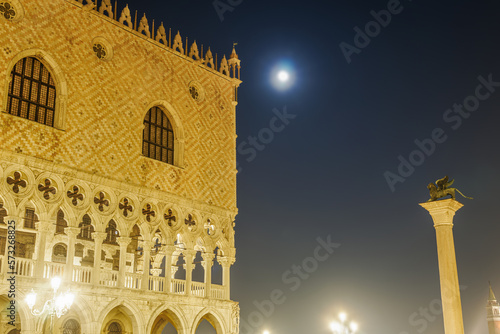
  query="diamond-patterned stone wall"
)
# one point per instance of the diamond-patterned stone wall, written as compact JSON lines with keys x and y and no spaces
{"x":106,"y":100}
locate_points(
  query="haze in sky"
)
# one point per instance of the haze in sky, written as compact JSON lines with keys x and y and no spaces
{"x":386,"y":97}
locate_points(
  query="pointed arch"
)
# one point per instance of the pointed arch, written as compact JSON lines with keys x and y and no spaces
{"x":57,"y":76}
{"x":160,"y":318}
{"x":128,"y":308}
{"x":213,"y":317}
{"x":177,"y":128}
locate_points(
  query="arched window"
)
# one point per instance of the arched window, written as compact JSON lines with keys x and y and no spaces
{"x":158,"y":136}
{"x":71,"y":327}
{"x":111,"y":233}
{"x":3,"y":214}
{"x":86,"y":228}
{"x":60,"y":222}
{"x":32,"y":92}
{"x":30,"y":218}
{"x":114,"y":328}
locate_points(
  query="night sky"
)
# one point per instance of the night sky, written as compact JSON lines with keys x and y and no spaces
{"x":322,"y":173}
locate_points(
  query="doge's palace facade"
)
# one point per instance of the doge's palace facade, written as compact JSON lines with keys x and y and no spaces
{"x":117,"y":168}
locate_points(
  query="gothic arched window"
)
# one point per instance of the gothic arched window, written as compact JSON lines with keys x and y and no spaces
{"x":61,"y":224}
{"x":114,"y":328}
{"x":86,"y":228}
{"x":158,"y":136}
{"x":111,"y":233}
{"x":32,"y":92}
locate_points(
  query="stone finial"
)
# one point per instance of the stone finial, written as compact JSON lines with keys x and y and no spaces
{"x":125,"y":17}
{"x":144,"y":26}
{"x":161,"y":35}
{"x":106,"y":7}
{"x":224,"y":67}
{"x":178,"y":43}
{"x":209,"y":59}
{"x":193,"y":52}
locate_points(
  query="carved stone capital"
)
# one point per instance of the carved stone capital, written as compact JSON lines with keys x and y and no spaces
{"x":99,"y":236}
{"x":123,"y":241}
{"x":72,"y":232}
{"x":44,"y":226}
{"x":226,"y":261}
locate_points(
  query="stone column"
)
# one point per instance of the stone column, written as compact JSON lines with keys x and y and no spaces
{"x":226,"y":262}
{"x":5,"y":268}
{"x":72,"y":232}
{"x":146,"y":256}
{"x":169,"y":250}
{"x":123,"y":242}
{"x":96,"y":272}
{"x":442,"y":213}
{"x":189,"y":255}
{"x":43,"y":228}
{"x":208,"y":260}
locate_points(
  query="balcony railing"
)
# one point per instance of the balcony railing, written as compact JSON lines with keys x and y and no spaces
{"x":133,"y":281}
{"x":51,"y":269}
{"x":198,"y":289}
{"x":110,"y":278}
{"x":178,"y":286}
{"x":25,"y":267}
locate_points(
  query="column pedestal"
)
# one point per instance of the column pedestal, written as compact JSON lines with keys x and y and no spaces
{"x":442,"y":213}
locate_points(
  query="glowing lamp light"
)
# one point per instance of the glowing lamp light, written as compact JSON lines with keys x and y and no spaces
{"x":342,"y":316}
{"x":265,"y":332}
{"x":354,"y":327}
{"x":55,"y":283}
{"x":335,"y":326}
{"x":31,"y":299}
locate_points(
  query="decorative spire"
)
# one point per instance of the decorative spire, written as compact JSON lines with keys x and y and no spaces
{"x":234,"y":54}
{"x":492,"y":295}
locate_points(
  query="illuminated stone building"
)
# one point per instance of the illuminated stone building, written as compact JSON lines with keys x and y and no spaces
{"x":118,"y":167}
{"x":493,"y":313}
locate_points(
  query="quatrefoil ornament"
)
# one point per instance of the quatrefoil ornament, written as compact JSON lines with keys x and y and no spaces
{"x":7,"y":10}
{"x":169,"y":217}
{"x":16,"y":182}
{"x":101,"y":201}
{"x":148,"y":212}
{"x":47,"y":189}
{"x":75,"y":195}
{"x":126,"y":207}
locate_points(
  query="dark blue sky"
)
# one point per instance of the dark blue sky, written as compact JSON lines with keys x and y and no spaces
{"x":323,"y":173}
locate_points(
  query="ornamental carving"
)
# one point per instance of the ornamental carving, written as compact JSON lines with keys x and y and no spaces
{"x":16,"y":182}
{"x":47,"y":189}
{"x":75,"y":195}
{"x":169,"y":217}
{"x":100,"y":51}
{"x":148,"y":212}
{"x":126,"y":207}
{"x":101,"y":201}
{"x":7,"y":10}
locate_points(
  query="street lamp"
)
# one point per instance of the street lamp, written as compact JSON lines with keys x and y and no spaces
{"x":342,"y":327}
{"x":58,"y":305}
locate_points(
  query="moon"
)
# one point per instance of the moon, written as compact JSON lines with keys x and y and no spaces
{"x":283,"y":76}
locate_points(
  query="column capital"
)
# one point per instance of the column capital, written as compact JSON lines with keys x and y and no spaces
{"x":43,"y":226}
{"x":208,"y":256}
{"x":99,"y":236}
{"x":189,"y":253}
{"x":226,"y":261}
{"x":442,"y":211}
{"x":146,"y":245}
{"x":72,"y":232}
{"x":123,"y":241}
{"x":14,"y":218}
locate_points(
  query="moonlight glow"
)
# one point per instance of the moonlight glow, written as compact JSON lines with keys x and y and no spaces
{"x":283,"y":75}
